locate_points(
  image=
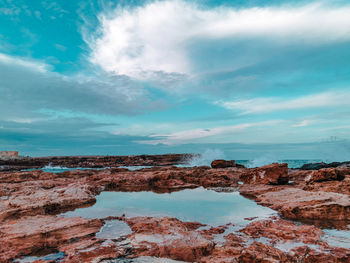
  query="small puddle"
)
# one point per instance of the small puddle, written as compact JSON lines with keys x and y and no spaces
{"x":50,"y":258}
{"x":113,"y":229}
{"x":134,"y":168}
{"x":198,"y":205}
{"x":142,"y":260}
{"x":61,"y":169}
{"x":337,"y":238}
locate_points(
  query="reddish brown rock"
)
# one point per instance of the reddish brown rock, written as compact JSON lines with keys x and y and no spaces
{"x":284,"y":231}
{"x":168,"y":237}
{"x":261,"y":253}
{"x":39,"y":193}
{"x":40,"y":234}
{"x":341,"y":187}
{"x":326,"y":174}
{"x":299,"y":204}
{"x":225,"y":164}
{"x":39,"y":201}
{"x":95,"y":161}
{"x":270,"y":174}
{"x":93,"y":251}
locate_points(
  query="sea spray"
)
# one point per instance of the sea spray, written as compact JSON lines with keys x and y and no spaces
{"x":205,"y":158}
{"x":262,"y":160}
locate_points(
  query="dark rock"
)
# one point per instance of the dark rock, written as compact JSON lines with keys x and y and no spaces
{"x":317,"y":166}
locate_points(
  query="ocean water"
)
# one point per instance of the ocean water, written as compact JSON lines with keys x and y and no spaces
{"x":199,"y":205}
{"x":61,"y":169}
{"x":252,"y":163}
{"x":261,"y":162}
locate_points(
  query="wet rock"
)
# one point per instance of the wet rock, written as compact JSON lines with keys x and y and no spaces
{"x":270,"y":174}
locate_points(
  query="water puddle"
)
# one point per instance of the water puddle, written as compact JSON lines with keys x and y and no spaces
{"x":50,"y":258}
{"x":337,"y":238}
{"x":61,"y":169}
{"x":142,"y":260}
{"x":200,"y":205}
{"x":114,"y":229}
{"x":134,"y":168}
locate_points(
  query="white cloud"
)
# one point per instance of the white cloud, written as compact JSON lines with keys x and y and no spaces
{"x":155,"y":37}
{"x":303,"y":123}
{"x":271,"y":104}
{"x":27,"y":63}
{"x":189,"y":136}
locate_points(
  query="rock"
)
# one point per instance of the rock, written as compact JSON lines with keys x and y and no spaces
{"x":92,"y":252}
{"x":258,"y":252}
{"x":300,"y":205}
{"x":225,"y":164}
{"x":341,"y":187}
{"x":95,"y":161}
{"x":42,"y":234}
{"x":325,"y":174}
{"x":270,"y":174}
{"x":169,"y":237}
{"x":39,"y":201}
{"x":28,"y":201}
{"x":283,"y":231}
{"x":317,"y":166}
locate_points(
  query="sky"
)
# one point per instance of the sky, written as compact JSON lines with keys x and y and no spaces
{"x":249,"y":78}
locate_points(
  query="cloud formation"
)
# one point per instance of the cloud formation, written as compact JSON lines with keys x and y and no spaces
{"x":156,"y":37}
{"x":28,"y":86}
{"x":190,"y":136}
{"x":272,"y":104}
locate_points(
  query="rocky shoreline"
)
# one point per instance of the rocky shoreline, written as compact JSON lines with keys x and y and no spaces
{"x":17,"y":164}
{"x":307,"y":201}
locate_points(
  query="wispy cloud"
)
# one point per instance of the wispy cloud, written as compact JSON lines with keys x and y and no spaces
{"x":303,"y":123}
{"x":155,"y":37}
{"x":189,"y":136}
{"x":271,"y":104}
{"x":30,"y":64}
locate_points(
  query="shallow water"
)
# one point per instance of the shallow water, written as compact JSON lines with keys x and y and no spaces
{"x":133,"y":168}
{"x":50,"y":257}
{"x":337,"y":238}
{"x":61,"y":169}
{"x":114,"y":229}
{"x":142,"y":260}
{"x":201,"y":205}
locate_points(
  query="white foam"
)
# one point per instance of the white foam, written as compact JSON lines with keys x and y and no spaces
{"x":205,"y":158}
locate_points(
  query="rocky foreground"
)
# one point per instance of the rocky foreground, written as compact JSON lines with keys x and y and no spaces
{"x":306,"y":201}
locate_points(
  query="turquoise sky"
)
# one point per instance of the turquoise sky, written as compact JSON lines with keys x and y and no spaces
{"x":251,"y":78}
